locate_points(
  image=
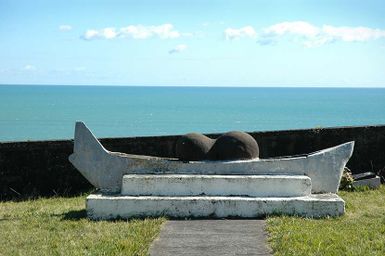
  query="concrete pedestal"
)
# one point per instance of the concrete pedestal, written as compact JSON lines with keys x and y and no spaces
{"x":213,"y":196}
{"x":101,"y":206}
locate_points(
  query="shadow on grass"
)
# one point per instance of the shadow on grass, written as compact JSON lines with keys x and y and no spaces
{"x":82,"y":214}
{"x":75,"y":215}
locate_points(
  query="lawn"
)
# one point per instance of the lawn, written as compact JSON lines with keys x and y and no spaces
{"x":58,"y":226}
{"x":361,"y":231}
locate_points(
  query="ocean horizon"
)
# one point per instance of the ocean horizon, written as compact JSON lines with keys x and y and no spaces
{"x":49,"y":112}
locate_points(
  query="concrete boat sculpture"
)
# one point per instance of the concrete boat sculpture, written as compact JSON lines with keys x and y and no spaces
{"x":134,"y":185}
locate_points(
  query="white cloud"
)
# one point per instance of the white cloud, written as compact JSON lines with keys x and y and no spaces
{"x":178,"y":48}
{"x":136,"y":32}
{"x":164,"y":31}
{"x":29,"y":67}
{"x":91,"y":34}
{"x":296,"y":27}
{"x":313,"y":36}
{"x":108,"y":33}
{"x":234,"y":33}
{"x":353,"y":34}
{"x":65,"y":27}
{"x":105,"y":33}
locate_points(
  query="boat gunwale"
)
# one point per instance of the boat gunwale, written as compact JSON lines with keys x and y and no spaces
{"x":171,"y":159}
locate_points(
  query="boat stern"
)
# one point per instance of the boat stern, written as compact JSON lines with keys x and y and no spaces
{"x":325,"y":167}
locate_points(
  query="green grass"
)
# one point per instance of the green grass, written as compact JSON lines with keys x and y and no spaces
{"x":361,"y":231}
{"x":58,"y":226}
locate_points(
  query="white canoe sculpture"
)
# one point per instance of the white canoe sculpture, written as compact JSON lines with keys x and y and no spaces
{"x":105,"y":169}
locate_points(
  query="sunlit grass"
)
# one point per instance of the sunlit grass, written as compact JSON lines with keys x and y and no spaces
{"x":58,"y":226}
{"x":361,"y":231}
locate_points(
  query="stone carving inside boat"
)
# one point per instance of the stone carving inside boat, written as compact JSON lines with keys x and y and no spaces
{"x":233,"y":145}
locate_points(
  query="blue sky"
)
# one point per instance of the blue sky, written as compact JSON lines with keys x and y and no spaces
{"x":188,"y":43}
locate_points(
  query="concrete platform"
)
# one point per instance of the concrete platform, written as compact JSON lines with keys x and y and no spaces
{"x":211,"y":237}
{"x":101,"y":206}
{"x":216,"y":185}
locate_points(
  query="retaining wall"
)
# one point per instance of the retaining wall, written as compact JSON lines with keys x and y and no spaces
{"x":41,"y":168}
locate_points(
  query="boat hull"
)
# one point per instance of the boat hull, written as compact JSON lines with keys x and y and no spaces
{"x":105,"y":169}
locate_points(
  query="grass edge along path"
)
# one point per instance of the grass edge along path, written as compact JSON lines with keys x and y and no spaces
{"x":361,"y":231}
{"x":58,"y":226}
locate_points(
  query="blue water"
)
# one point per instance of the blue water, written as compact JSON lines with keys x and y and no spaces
{"x":49,"y":112}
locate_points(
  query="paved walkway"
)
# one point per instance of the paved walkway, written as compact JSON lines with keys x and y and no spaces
{"x":211,"y":237}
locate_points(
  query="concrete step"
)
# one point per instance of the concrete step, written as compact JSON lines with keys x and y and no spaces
{"x":101,"y":206}
{"x":216,"y":185}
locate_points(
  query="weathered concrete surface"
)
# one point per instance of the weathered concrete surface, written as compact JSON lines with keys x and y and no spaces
{"x":216,"y":185}
{"x":115,"y":206}
{"x":41,"y":168}
{"x":372,"y":183}
{"x":211,"y":238}
{"x":105,"y":169}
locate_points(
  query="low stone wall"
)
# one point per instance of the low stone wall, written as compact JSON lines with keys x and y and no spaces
{"x":29,"y":169}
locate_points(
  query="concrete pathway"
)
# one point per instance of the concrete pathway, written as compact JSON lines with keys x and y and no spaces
{"x":211,"y":237}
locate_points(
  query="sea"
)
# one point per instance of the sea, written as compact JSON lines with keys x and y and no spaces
{"x":41,"y":112}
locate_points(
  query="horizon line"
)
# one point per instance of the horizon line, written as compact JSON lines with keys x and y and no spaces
{"x":206,"y":86}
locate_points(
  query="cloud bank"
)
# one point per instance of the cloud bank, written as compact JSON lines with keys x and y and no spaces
{"x":164,"y":31}
{"x":316,"y":36}
{"x":306,"y":33}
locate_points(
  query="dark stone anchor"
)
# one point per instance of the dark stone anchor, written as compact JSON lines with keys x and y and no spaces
{"x":233,"y":145}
